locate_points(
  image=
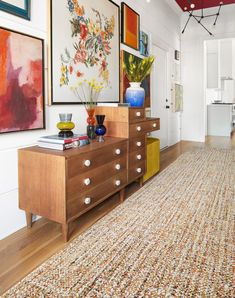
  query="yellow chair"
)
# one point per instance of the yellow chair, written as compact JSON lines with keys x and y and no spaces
{"x":153,"y":157}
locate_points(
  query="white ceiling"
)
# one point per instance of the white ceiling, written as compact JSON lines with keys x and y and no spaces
{"x":174,"y":6}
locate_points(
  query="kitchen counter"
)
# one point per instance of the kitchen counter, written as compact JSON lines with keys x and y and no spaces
{"x":220,"y":119}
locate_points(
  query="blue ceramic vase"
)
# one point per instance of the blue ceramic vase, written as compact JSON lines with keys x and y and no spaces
{"x":135,"y":95}
{"x":100,"y":128}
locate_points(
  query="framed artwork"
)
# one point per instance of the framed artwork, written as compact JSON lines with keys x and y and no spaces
{"x":130,"y":26}
{"x":85,"y":44}
{"x":177,"y":98}
{"x":125,"y":82}
{"x":20,"y":8}
{"x":144,"y":44}
{"x":22,"y":82}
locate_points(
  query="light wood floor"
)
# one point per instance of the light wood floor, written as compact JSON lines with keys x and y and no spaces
{"x":24,"y":250}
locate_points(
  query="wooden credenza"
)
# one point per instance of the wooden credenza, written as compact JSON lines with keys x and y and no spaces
{"x":131,"y":123}
{"x":61,"y":186}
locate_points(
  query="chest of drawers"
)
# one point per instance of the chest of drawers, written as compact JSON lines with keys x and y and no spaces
{"x":61,"y":186}
{"x":132,"y":124}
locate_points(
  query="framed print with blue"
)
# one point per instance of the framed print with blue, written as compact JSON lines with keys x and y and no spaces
{"x":144,"y":44}
{"x":20,"y":8}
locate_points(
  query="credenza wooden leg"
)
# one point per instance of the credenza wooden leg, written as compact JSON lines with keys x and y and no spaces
{"x":29,"y":217}
{"x":141,"y":182}
{"x":65,"y":232}
{"x":122,"y":195}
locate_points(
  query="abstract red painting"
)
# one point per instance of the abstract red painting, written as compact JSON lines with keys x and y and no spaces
{"x":130,"y":26}
{"x":21,"y":82}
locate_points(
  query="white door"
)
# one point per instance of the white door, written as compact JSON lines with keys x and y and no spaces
{"x":160,"y":104}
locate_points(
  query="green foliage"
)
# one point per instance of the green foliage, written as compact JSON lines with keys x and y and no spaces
{"x":137,"y":69}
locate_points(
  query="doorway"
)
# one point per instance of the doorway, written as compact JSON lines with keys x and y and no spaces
{"x":160,"y":105}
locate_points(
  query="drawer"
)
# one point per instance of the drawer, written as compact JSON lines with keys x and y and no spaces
{"x":134,"y":172}
{"x":151,"y":124}
{"x":81,"y":203}
{"x":137,"y":129}
{"x":94,"y":159}
{"x":136,"y":114}
{"x":137,"y":143}
{"x":137,"y":157}
{"x":90,"y":179}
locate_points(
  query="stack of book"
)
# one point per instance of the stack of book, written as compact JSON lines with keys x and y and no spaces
{"x":59,"y":143}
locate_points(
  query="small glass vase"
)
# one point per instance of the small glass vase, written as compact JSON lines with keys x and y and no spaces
{"x":100,"y":128}
{"x":65,"y":125}
{"x":91,"y":123}
{"x":135,"y":95}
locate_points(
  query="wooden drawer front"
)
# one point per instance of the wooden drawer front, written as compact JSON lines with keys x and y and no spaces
{"x":81,"y":203}
{"x":151,"y":125}
{"x":136,"y":114}
{"x":136,"y":157}
{"x":90,"y":179}
{"x":80,"y":164}
{"x":133,"y":172}
{"x":137,"y":143}
{"x":137,"y":129}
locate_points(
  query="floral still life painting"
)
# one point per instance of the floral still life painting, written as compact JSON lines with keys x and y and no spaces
{"x":22,"y":82}
{"x":85,"y":44}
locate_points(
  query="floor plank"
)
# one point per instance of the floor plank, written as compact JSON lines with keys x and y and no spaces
{"x":26,"y":249}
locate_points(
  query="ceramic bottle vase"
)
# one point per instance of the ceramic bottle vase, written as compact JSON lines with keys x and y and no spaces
{"x":135,"y":95}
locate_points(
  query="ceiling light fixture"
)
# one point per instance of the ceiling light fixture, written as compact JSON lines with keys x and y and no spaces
{"x":199,"y":18}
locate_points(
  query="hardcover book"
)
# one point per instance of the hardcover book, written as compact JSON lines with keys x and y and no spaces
{"x":60,"y":140}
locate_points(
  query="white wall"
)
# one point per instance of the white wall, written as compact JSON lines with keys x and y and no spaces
{"x":156,"y":17}
{"x":193,"y":76}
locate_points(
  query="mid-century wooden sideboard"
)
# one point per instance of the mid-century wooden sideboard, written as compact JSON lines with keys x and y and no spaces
{"x":63,"y":185}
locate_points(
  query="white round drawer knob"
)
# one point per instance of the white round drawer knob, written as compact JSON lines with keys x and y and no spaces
{"x":139,"y":157}
{"x":118,"y":151}
{"x":139,"y":144}
{"x":118,"y":167}
{"x":118,"y":183}
{"x":138,"y":114}
{"x":139,"y":170}
{"x":154,"y":124}
{"x":138,"y":128}
{"x":87,"y":163}
{"x":87,"y":181}
{"x":87,"y":201}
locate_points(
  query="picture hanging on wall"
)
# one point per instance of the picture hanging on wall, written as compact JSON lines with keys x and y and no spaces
{"x":144,"y":44}
{"x":125,"y":82}
{"x":130,"y":26}
{"x":20,"y":8}
{"x":85,"y":45}
{"x":22,"y":82}
{"x":177,"y":98}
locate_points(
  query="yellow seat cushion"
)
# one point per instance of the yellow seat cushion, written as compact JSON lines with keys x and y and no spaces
{"x":153,"y":157}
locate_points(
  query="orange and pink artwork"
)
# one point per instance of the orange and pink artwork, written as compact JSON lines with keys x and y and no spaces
{"x":21,"y":82}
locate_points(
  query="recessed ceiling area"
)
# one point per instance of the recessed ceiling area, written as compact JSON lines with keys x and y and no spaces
{"x":199,"y":4}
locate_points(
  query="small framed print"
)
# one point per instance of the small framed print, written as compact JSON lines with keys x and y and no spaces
{"x":130,"y":27}
{"x":20,"y":8}
{"x":144,"y":44}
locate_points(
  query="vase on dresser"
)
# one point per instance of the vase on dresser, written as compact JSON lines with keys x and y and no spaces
{"x":135,"y":95}
{"x":100,"y":128}
{"x":65,"y":125}
{"x":91,"y":123}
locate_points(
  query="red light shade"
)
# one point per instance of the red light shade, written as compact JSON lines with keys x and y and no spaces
{"x":199,"y":4}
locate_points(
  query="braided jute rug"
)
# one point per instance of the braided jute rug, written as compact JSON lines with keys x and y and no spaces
{"x":172,"y":238}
